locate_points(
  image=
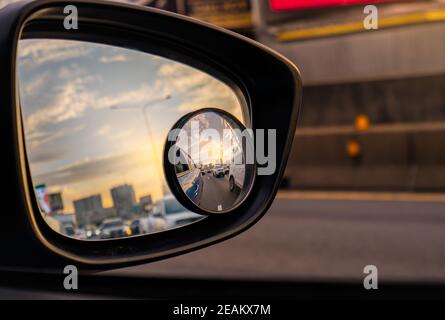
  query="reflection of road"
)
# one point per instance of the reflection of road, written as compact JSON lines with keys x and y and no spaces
{"x":216,"y":192}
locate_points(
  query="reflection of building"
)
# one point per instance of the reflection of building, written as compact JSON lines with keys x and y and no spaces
{"x":90,"y":203}
{"x":55,"y":202}
{"x":89,"y":210}
{"x":123,"y":199}
{"x":146,"y":202}
{"x":42,"y":197}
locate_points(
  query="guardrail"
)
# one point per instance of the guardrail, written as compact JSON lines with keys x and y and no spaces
{"x":392,"y":157}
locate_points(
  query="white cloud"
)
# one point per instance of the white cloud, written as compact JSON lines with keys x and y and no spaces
{"x":38,"y":138}
{"x":197,"y":89}
{"x":70,"y":101}
{"x":74,"y":98}
{"x":116,"y":58}
{"x":104,"y":130}
{"x":5,"y":2}
{"x":34,"y":53}
{"x":35,"y":85}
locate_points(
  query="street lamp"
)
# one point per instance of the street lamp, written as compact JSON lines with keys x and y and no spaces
{"x":147,"y":126}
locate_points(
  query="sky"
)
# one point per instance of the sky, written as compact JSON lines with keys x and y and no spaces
{"x":82,"y":111}
{"x":214,"y":146}
{"x":5,"y":2}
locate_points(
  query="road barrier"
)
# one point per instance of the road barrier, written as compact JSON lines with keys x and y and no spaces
{"x":408,"y":158}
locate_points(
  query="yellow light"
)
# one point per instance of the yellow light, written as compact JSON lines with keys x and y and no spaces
{"x":357,"y":26}
{"x":362,"y":122}
{"x":128,"y":231}
{"x":353,"y":149}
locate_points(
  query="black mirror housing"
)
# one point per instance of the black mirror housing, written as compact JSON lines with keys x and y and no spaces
{"x":269,"y":83}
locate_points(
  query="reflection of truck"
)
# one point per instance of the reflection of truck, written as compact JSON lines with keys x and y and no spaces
{"x":237,"y":169}
{"x":154,"y":222}
{"x":174,"y":213}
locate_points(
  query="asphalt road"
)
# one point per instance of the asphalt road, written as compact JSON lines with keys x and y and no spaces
{"x":216,"y":192}
{"x":324,"y":240}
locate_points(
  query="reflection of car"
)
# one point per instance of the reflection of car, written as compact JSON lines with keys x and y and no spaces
{"x":136,"y":227}
{"x":175,"y":213}
{"x":83,"y":234}
{"x":113,"y":228}
{"x":155,"y":222}
{"x":69,"y":229}
{"x":189,"y":176}
{"x":61,"y":227}
{"x":218,"y":172}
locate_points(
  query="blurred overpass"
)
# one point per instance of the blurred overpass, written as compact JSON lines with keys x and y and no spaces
{"x":394,"y":76}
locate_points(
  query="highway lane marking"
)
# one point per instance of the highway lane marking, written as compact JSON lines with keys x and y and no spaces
{"x":362,"y":196}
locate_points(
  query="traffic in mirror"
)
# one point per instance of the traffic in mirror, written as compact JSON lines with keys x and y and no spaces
{"x":209,"y":157}
{"x":95,"y":120}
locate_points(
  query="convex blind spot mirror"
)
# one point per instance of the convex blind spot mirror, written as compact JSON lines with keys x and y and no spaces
{"x":209,"y":159}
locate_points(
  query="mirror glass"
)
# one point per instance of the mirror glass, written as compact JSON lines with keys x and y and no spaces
{"x":95,"y":120}
{"x":211,"y":156}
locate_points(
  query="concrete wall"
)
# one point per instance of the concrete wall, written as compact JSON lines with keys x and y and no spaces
{"x":406,"y":100}
{"x":396,"y":76}
{"x":405,"y":161}
{"x":409,"y":51}
{"x":404,"y":149}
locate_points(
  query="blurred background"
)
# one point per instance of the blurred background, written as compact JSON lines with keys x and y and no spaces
{"x":365,"y":180}
{"x":373,"y":110}
{"x":373,"y":113}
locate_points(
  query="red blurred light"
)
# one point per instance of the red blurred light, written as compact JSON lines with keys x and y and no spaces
{"x":282,"y":5}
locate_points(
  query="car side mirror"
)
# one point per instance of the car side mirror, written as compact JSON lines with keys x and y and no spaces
{"x":262,"y":87}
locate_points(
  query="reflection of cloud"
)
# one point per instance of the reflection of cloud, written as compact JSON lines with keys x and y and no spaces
{"x":72,"y":100}
{"x":69,"y":102}
{"x":199,"y":89}
{"x":104,"y":130}
{"x":34,"y":53}
{"x":36,"y":85}
{"x":180,"y":78}
{"x":124,"y":134}
{"x":212,"y":95}
{"x":87,"y":169}
{"x":136,"y":97}
{"x":38,"y":138}
{"x":115,"y":58}
{"x":5,"y":2}
{"x":41,"y":156}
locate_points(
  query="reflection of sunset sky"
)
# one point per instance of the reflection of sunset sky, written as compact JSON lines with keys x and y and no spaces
{"x":76,"y":143}
{"x":211,"y":150}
